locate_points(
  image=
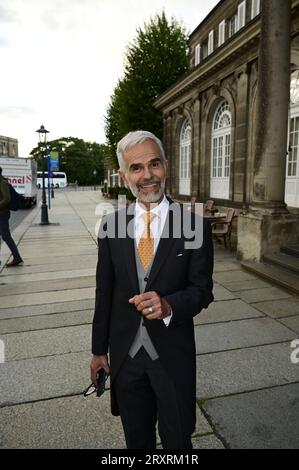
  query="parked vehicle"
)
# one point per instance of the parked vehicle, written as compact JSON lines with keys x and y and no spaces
{"x":21,"y":174}
{"x":58,"y":179}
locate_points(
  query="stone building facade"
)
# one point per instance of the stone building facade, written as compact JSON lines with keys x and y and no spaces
{"x":210,"y":114}
{"x":8,"y":147}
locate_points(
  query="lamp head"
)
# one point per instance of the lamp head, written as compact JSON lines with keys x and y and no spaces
{"x":42,"y":133}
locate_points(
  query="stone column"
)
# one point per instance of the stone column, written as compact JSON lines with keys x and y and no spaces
{"x":241,"y":136}
{"x":168,"y":149}
{"x":268,"y":224}
{"x":273,"y":105}
{"x":195,"y":149}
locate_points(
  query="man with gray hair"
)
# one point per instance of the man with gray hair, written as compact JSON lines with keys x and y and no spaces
{"x":4,"y":222}
{"x":149,"y":288}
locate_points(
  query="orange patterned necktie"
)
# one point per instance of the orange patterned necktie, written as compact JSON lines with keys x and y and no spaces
{"x":146,"y":242}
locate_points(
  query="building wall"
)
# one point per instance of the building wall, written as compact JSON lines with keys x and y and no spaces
{"x":8,"y":147}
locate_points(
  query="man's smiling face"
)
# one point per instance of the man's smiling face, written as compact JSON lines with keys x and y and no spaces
{"x":145,"y":172}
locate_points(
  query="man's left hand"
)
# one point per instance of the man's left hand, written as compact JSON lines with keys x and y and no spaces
{"x":151,"y":305}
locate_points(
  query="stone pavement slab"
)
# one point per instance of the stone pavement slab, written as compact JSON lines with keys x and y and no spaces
{"x":240,"y":334}
{"x":46,"y":286}
{"x":53,"y":259}
{"x":47,"y":297}
{"x":266,"y":293}
{"x":85,"y":262}
{"x":45,"y":309}
{"x":264,"y":419}
{"x":42,"y":378}
{"x":56,"y":246}
{"x":245,"y":285}
{"x":202,"y":424}
{"x":230,"y":265}
{"x":207,"y":442}
{"x":220,"y":293}
{"x":244,"y":370}
{"x":42,"y":322}
{"x":62,"y":423}
{"x":226,"y":311}
{"x":41,"y":343}
{"x":291,"y":322}
{"x":233,"y":276}
{"x":56,"y":242}
{"x":40,"y":258}
{"x":46,"y":276}
{"x":279,"y":308}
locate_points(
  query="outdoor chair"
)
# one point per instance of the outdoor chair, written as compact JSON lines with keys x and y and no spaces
{"x":223,"y":228}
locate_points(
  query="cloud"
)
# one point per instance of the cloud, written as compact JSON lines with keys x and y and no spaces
{"x":4,"y":42}
{"x":16,"y":111}
{"x":6,"y":14}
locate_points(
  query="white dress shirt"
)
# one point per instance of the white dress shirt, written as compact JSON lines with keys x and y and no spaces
{"x":157,"y":225}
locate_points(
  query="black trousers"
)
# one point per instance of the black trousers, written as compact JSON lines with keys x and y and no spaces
{"x":145,"y":394}
{"x":6,"y":235}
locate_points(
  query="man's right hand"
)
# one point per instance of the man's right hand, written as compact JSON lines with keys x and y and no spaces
{"x":97,"y":363}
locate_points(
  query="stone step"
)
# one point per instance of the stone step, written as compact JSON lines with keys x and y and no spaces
{"x":275,"y":274}
{"x":290,"y":249}
{"x":288,"y":262}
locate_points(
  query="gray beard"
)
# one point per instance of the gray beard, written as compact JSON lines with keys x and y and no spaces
{"x":150,"y":197}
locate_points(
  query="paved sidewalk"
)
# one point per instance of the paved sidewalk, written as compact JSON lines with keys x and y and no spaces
{"x":247,"y":386}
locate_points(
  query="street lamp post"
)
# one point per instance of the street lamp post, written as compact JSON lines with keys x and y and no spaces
{"x":42,"y":133}
{"x":94,"y":174}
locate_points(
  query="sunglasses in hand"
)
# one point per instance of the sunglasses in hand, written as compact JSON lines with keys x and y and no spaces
{"x":100,"y":387}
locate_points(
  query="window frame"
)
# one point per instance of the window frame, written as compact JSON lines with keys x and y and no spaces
{"x":197,"y":52}
{"x":221,"y":33}
{"x":255,"y":8}
{"x":241,"y":15}
{"x":211,"y":42}
{"x":185,"y":162}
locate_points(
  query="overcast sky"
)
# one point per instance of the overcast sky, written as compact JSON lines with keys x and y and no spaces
{"x":60,"y":60}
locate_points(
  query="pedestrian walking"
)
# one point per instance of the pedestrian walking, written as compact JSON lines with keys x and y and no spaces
{"x":4,"y":222}
{"x":149,"y":288}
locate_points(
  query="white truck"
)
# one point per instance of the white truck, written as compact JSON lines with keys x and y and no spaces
{"x":22,"y":175}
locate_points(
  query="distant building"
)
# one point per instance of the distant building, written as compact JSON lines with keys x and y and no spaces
{"x":210,"y":114}
{"x":8,"y":147}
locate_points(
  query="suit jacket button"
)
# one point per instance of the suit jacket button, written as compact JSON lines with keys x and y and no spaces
{"x":146,"y":279}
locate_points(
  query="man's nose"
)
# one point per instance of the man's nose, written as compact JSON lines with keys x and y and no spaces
{"x":147,"y":174}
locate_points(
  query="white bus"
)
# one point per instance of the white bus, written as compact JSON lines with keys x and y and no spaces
{"x":57,"y":179}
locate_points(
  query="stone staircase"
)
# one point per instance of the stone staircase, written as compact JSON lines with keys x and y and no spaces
{"x":279,"y":268}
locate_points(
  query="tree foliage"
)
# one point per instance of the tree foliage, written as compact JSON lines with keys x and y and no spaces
{"x":78,"y":159}
{"x":154,"y":61}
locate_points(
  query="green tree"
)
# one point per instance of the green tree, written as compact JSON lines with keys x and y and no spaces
{"x":78,"y":159}
{"x":154,"y":61}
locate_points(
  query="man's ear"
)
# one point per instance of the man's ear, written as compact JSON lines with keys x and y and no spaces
{"x":123,"y":177}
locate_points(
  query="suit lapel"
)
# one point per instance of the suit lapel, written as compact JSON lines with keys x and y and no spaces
{"x":165,"y":244}
{"x":129,"y":251}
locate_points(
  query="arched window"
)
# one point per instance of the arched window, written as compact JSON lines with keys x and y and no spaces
{"x":221,"y":149}
{"x":185,"y":159}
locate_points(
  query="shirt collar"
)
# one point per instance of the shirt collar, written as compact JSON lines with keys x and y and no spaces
{"x":157,"y":210}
